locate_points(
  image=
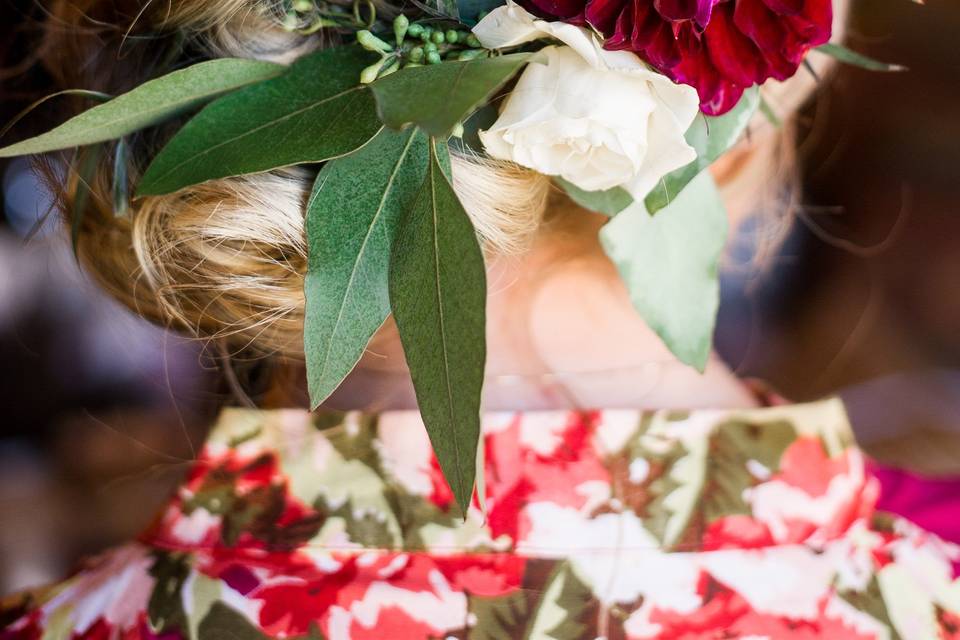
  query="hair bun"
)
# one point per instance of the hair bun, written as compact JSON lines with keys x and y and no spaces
{"x":227,"y":258}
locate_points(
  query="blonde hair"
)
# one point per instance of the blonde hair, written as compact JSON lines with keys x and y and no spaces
{"x":227,"y":258}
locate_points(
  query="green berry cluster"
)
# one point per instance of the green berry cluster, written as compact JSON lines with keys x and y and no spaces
{"x":417,"y":44}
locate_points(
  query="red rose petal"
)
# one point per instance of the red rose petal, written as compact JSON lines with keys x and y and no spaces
{"x":732,"y":53}
{"x":720,"y":47}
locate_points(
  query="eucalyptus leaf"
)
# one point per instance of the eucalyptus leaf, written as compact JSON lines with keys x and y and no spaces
{"x":609,"y":202}
{"x":99,"y":96}
{"x":437,"y":97}
{"x":150,"y":103}
{"x":669,"y":263}
{"x":352,"y":215}
{"x":711,"y":136}
{"x":848,"y":56}
{"x":438,"y":296}
{"x":315,"y":111}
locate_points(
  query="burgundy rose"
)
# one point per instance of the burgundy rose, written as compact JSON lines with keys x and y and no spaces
{"x":721,"y":47}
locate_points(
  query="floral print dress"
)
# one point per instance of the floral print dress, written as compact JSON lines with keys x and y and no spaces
{"x":608,"y":524}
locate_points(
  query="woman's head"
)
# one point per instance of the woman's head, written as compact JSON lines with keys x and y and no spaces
{"x":227,"y":258}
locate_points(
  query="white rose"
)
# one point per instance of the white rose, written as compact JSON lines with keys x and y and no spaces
{"x":599,"y":119}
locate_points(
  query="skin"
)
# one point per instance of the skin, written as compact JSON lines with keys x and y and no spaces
{"x":561,"y":333}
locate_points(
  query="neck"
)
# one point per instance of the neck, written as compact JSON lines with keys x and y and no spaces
{"x":561,"y":333}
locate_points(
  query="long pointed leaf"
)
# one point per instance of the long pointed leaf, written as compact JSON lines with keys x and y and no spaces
{"x":851,"y":57}
{"x":99,"y":96}
{"x":711,"y":137}
{"x":669,"y":263}
{"x":148,"y":104}
{"x":437,"y":97}
{"x":352,"y":216}
{"x":609,"y":202}
{"x":438,"y":296}
{"x":315,"y":111}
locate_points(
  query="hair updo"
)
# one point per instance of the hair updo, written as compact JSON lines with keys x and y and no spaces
{"x":227,"y":258}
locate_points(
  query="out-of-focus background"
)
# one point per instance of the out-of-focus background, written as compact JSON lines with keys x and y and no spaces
{"x":100,"y":412}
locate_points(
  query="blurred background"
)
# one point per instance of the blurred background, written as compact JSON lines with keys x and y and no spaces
{"x":100,"y":412}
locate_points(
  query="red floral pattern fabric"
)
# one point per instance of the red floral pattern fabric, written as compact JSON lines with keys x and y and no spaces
{"x":607,"y":524}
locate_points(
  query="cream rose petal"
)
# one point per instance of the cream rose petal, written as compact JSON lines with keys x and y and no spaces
{"x":597,"y":118}
{"x":510,"y":25}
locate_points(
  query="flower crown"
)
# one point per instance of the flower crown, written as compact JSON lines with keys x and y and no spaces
{"x":624,"y":102}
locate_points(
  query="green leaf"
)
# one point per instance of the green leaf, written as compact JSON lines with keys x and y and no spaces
{"x":148,"y":104}
{"x":669,"y":263}
{"x":847,"y":56}
{"x":609,"y":202}
{"x":437,"y":97}
{"x":99,"y":96}
{"x":352,"y":216}
{"x":314,"y":112}
{"x":438,"y":296}
{"x":711,"y":137}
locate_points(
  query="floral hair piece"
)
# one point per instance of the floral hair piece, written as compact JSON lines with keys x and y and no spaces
{"x":624,"y":102}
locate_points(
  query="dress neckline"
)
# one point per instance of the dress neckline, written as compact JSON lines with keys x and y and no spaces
{"x":320,"y":478}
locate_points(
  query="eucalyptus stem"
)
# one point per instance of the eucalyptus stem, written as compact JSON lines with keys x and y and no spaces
{"x":356,"y":13}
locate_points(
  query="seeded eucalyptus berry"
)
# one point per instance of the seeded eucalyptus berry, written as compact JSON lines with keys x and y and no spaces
{"x":371,"y":42}
{"x":369,"y":74}
{"x":401,"y":24}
